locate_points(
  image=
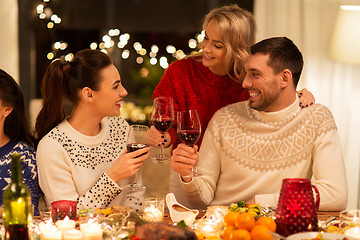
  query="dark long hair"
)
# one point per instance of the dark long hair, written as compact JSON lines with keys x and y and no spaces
{"x":64,"y":79}
{"x":16,"y":125}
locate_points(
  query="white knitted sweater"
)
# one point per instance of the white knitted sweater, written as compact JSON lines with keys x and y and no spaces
{"x":72,"y":165}
{"x":247,"y":153}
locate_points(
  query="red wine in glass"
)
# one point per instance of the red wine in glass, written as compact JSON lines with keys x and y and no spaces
{"x":163,"y":125}
{"x":162,"y":117}
{"x":188,"y":131}
{"x":131,"y":147}
{"x":139,"y":132}
{"x":189,"y":137}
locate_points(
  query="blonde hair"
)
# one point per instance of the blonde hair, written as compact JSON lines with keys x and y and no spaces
{"x":238,"y":29}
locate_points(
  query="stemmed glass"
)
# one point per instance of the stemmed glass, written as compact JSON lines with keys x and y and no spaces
{"x":162,"y":118}
{"x":139,"y":132}
{"x":189,"y":130}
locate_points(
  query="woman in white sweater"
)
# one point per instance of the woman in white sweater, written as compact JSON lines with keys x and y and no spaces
{"x":83,"y":157}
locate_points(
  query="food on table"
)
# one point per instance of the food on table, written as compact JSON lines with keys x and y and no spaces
{"x":120,"y":209}
{"x":241,"y":206}
{"x":268,"y":222}
{"x":320,"y":237}
{"x":240,"y":234}
{"x":260,"y":232}
{"x":164,"y":231}
{"x":245,"y":221}
{"x":251,"y":229}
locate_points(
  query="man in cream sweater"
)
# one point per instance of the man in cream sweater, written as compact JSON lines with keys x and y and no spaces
{"x":250,"y":147}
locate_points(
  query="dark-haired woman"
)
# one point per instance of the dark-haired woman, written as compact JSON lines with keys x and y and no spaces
{"x":83,"y":157}
{"x":15,"y":136}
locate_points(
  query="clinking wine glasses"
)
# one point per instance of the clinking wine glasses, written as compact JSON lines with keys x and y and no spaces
{"x":162,"y":118}
{"x":189,"y":130}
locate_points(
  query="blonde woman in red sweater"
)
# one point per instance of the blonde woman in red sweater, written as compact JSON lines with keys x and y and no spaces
{"x":210,"y":79}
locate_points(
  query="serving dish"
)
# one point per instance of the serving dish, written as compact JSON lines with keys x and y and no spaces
{"x":313,"y":235}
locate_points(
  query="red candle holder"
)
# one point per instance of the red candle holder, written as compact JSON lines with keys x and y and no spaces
{"x":63,"y":208}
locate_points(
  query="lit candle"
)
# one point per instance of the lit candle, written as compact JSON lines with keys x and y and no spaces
{"x":66,"y":224}
{"x":152,"y":214}
{"x":44,"y":226}
{"x":353,"y":232}
{"x":91,"y":230}
{"x":73,"y":234}
{"x":52,"y":234}
{"x":208,"y":228}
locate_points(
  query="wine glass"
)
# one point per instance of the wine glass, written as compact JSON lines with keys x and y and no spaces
{"x":162,"y":117}
{"x":189,"y":130}
{"x":139,"y":132}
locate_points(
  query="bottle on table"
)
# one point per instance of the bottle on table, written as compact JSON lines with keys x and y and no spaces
{"x":16,"y":204}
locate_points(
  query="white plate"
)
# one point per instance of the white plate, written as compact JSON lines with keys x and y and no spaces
{"x":310,"y":235}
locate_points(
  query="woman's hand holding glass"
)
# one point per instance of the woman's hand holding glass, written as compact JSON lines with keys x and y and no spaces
{"x":156,"y":139}
{"x":183,"y":159}
{"x":162,"y":118}
{"x":127,"y":164}
{"x":139,"y":142}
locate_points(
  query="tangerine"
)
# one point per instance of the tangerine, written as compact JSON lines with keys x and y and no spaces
{"x":245,"y":221}
{"x":228,"y":230}
{"x":260,"y":232}
{"x":267,"y":222}
{"x":240,"y":234}
{"x":230,"y":218}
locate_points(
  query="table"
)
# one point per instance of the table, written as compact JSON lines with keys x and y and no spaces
{"x":322,"y":216}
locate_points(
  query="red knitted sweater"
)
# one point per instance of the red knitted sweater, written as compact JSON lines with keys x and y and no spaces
{"x":194,"y":86}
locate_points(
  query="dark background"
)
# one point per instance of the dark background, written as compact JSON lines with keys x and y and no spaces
{"x":160,"y":22}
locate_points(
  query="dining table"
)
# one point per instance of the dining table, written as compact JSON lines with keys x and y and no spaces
{"x":322,"y":216}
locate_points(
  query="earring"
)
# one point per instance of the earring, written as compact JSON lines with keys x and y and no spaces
{"x":5,"y":115}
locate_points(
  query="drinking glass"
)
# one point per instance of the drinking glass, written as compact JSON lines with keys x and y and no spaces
{"x":189,"y":130}
{"x":139,"y":132}
{"x":162,"y":117}
{"x":296,"y":210}
{"x":350,"y":223}
{"x":45,"y":214}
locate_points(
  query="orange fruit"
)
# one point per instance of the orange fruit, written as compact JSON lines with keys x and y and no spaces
{"x":228,"y":230}
{"x":260,"y":232}
{"x":230,"y":218}
{"x":267,"y":222}
{"x":240,"y":234}
{"x":245,"y":221}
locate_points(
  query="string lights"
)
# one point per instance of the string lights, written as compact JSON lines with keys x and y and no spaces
{"x":113,"y":39}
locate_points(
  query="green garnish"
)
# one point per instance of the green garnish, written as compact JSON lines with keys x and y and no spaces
{"x":182,"y":224}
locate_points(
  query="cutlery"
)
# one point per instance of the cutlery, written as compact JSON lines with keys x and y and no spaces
{"x":330,"y":219}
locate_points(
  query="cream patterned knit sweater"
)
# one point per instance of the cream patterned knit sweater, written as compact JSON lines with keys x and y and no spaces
{"x":247,"y":153}
{"x":73,"y":166}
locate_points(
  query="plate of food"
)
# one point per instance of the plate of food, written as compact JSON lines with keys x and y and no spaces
{"x":318,"y":236}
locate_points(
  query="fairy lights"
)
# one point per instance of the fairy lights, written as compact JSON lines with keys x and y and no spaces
{"x":114,"y":38}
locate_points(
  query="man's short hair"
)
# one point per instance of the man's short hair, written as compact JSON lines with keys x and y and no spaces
{"x":284,"y":54}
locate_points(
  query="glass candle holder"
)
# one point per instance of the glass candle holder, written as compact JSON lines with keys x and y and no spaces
{"x":61,"y":209}
{"x":350,"y":223}
{"x":45,"y":214}
{"x":217,"y":213}
{"x":153,"y":209}
{"x":207,"y":228}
